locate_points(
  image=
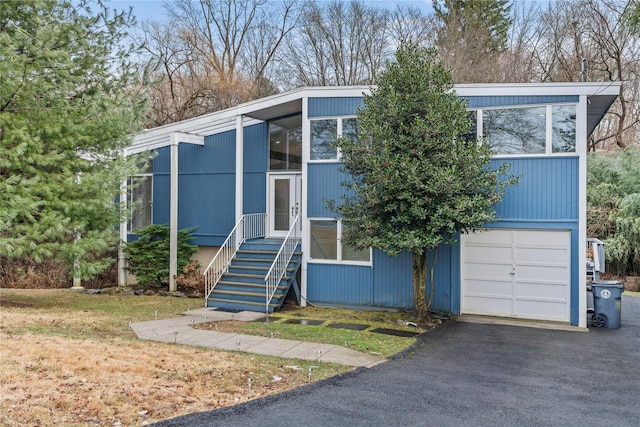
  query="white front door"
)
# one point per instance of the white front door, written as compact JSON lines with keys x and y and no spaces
{"x":517,"y":273}
{"x":283,"y":205}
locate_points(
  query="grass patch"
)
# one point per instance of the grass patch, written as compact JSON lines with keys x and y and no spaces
{"x":71,"y":359}
{"x":364,"y":341}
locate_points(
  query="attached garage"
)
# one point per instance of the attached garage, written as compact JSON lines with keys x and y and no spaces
{"x":517,"y":273}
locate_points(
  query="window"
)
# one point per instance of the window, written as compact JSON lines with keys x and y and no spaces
{"x":544,"y":129}
{"x":324,"y":133}
{"x":515,"y":130}
{"x":563,"y":122}
{"x":285,"y":148}
{"x":325,"y":244}
{"x":140,"y":199}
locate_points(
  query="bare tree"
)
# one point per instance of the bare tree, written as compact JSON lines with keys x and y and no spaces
{"x":214,"y":54}
{"x":410,"y":25}
{"x":593,"y":30}
{"x":339,"y":43}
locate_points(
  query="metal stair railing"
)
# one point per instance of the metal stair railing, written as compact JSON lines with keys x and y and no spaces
{"x":250,"y":226}
{"x":279,"y":267}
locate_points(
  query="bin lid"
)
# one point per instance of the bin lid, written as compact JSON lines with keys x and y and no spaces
{"x":608,"y":283}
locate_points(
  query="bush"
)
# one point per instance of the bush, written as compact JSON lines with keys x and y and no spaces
{"x":613,"y":207}
{"x":148,"y":257}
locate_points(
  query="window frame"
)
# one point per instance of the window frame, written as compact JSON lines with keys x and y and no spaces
{"x":339,"y":253}
{"x":548,"y":152}
{"x":131,"y":203}
{"x":339,"y":130}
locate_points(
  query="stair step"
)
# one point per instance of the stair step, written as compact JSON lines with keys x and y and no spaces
{"x":234,"y":284}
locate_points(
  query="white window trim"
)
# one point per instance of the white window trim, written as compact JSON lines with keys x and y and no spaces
{"x":548,"y":130}
{"x":339,"y":259}
{"x":338,"y":134}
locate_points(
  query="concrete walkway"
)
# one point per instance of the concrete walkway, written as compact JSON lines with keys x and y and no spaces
{"x":179,"y":330}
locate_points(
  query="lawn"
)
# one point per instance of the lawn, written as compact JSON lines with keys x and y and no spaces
{"x":71,"y":359}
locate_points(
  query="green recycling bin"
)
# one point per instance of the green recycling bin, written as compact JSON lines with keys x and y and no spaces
{"x":607,"y":304}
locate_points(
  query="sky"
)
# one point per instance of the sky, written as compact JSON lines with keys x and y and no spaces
{"x":145,"y":10}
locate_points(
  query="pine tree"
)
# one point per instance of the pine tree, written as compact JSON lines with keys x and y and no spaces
{"x":68,"y":101}
{"x":415,"y":182}
{"x":471,"y":35}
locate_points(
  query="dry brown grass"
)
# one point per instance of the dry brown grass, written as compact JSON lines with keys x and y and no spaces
{"x":63,"y":367}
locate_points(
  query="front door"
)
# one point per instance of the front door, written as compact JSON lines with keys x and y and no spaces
{"x":284,"y":202}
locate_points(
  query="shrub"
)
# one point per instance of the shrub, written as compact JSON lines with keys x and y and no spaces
{"x":613,"y":199}
{"x":148,"y":257}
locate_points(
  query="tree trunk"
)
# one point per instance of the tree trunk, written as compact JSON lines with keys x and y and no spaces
{"x":419,"y":285}
{"x":432,"y":283}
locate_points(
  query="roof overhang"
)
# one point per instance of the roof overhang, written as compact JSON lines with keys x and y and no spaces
{"x":600,"y":96}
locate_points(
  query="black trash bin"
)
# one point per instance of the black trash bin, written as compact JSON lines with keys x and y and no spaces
{"x":607,"y":302}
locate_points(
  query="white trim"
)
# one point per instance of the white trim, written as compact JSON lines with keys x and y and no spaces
{"x":339,"y":260}
{"x":548,"y":147}
{"x":581,"y":149}
{"x":239,"y":167}
{"x":534,"y":89}
{"x":306,"y":132}
{"x":124,"y":226}
{"x":173,"y":218}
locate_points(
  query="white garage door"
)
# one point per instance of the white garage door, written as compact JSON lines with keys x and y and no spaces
{"x":517,"y":273}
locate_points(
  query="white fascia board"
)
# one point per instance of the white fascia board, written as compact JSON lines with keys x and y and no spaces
{"x":532,"y":89}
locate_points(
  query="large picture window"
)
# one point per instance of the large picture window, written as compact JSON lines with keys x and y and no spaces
{"x":325,"y":244}
{"x":325,"y":131}
{"x":535,"y":130}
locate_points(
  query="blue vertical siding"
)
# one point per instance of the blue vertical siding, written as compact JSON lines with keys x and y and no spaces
{"x":206,"y":188}
{"x":503,"y":101}
{"x":331,"y":107}
{"x":255,"y":163}
{"x":323,"y":184}
{"x":339,"y":284}
{"x":392,"y":280}
{"x":547,"y":189}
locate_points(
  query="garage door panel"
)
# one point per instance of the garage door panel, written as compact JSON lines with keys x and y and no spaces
{"x":489,"y":288}
{"x":517,"y":273}
{"x":543,"y":238}
{"x":488,"y":271}
{"x":540,"y":273}
{"x":541,"y":255}
{"x":542,"y":291}
{"x":490,"y":306}
{"x":498,"y":237}
{"x":543,"y":310}
{"x":478,"y":253}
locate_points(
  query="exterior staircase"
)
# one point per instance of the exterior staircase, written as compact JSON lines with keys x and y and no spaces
{"x":243,"y":286}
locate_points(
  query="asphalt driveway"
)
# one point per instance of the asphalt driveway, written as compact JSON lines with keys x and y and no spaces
{"x":468,"y":374}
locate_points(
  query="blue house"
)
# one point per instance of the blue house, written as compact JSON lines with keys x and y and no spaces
{"x":253,"y":180}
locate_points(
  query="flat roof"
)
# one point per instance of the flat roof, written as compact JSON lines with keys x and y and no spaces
{"x":600,"y":96}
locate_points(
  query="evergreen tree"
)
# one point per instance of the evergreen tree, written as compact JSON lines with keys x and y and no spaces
{"x":67,"y":105}
{"x":471,"y":35}
{"x":415,"y":180}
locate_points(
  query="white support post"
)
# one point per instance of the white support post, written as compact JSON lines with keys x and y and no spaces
{"x":173,"y":216}
{"x":304,"y":235}
{"x":122,"y":259}
{"x":581,"y":148}
{"x":239,"y":167}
